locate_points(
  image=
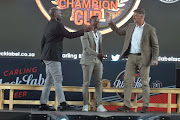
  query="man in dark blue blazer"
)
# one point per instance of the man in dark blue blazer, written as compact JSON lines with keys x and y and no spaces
{"x":51,"y":51}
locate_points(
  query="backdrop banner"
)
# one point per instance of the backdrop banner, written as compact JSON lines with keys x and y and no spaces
{"x":31,"y":72}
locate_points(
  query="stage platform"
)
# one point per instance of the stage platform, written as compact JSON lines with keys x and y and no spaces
{"x":34,"y":114}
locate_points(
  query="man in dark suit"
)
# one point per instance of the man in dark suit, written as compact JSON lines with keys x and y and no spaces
{"x":51,"y":51}
{"x":142,"y":49}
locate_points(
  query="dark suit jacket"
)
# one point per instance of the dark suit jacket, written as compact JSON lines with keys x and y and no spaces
{"x":149,"y":41}
{"x":52,"y":41}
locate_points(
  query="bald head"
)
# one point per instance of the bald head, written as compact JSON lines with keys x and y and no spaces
{"x":52,"y":11}
{"x":55,"y":13}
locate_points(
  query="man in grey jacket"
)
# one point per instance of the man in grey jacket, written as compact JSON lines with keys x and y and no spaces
{"x":91,"y":62}
{"x":142,"y":49}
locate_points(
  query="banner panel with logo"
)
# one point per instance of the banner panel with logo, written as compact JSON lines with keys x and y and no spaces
{"x":31,"y":72}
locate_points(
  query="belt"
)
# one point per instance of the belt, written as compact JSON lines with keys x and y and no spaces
{"x":138,"y":54}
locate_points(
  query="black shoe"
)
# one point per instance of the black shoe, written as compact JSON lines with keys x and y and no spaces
{"x":124,"y":109}
{"x":144,"y":109}
{"x":64,"y":106}
{"x":46,"y":108}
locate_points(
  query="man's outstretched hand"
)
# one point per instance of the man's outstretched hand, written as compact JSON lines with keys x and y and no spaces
{"x":108,"y":16}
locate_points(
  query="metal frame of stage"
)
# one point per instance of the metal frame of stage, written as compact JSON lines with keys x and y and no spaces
{"x":92,"y":101}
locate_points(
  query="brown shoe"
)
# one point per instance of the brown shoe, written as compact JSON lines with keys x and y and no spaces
{"x":144,"y":109}
{"x":124,"y":109}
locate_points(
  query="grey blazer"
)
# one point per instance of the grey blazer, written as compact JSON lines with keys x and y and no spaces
{"x":89,"y":47}
{"x":149,"y":41}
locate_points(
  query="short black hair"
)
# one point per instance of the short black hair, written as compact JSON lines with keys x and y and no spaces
{"x":140,"y":11}
{"x":95,"y":16}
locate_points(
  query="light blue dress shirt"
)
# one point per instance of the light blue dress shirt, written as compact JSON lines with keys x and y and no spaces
{"x":136,"y":39}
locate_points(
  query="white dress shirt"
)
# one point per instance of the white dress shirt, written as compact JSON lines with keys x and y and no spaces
{"x":96,"y":39}
{"x":136,"y":39}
